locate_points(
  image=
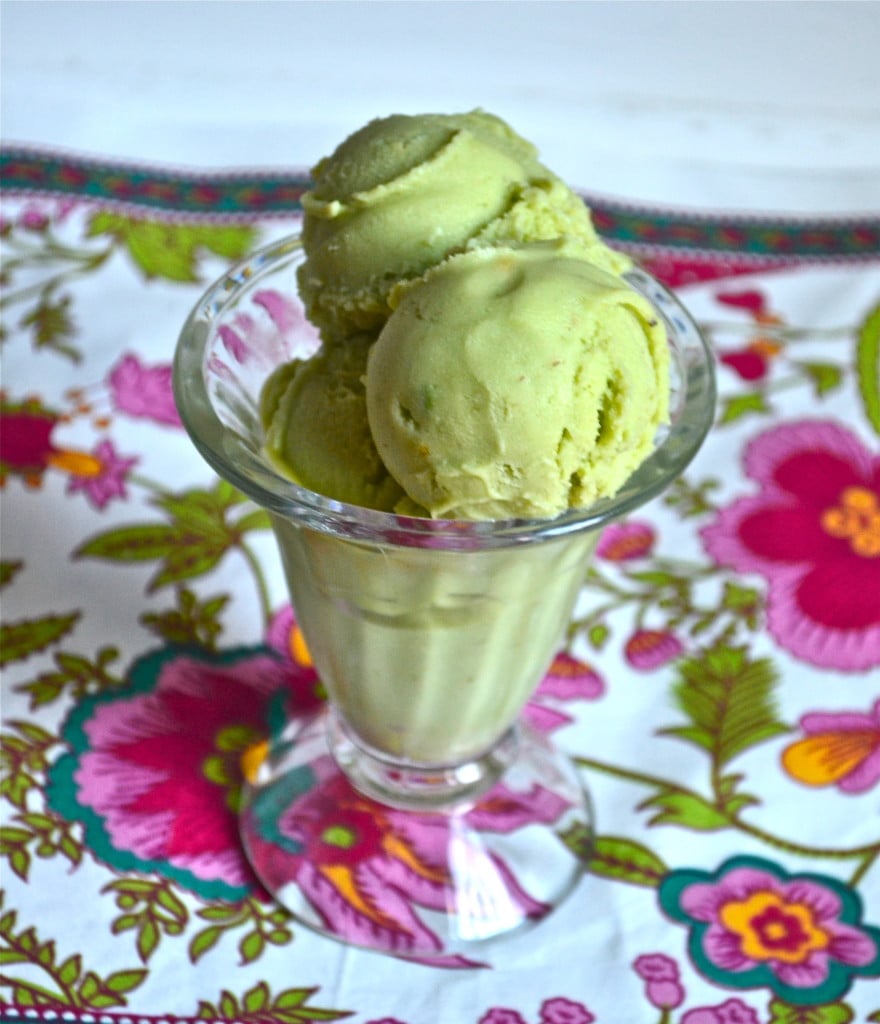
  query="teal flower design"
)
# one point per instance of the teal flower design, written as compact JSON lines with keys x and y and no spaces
{"x":753,"y":925}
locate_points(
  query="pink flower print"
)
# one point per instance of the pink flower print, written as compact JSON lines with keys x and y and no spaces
{"x":285,"y":637}
{"x":27,"y":449}
{"x":648,"y":649}
{"x":37,"y":216}
{"x":839,"y":748}
{"x":567,"y":679}
{"x":754,"y":925}
{"x":500,"y":1015}
{"x":368,"y":869}
{"x":33,"y":218}
{"x":813,"y":531}
{"x":660,"y":974}
{"x":143,"y":391}
{"x":753,"y":361}
{"x":155,"y":770}
{"x":732,"y":1011}
{"x":274,"y":334}
{"x":665,"y":995}
{"x":624,"y":542}
{"x":751,"y":300}
{"x":656,"y":967}
{"x":288,"y":316}
{"x":103,"y":477}
{"x":564,"y":1011}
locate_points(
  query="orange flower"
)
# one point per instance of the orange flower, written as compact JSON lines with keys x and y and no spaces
{"x":840,"y":748}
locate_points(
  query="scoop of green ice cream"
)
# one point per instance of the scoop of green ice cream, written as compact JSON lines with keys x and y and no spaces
{"x":404,"y":192}
{"x":314,"y":416}
{"x":549,"y":210}
{"x":516,"y":382}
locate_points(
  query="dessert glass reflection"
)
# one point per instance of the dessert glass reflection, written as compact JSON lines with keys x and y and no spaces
{"x":416,"y":813}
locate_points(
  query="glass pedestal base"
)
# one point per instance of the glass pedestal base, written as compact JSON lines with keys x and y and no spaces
{"x":407,"y":861}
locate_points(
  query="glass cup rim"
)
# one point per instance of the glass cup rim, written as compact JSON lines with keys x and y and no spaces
{"x":692,"y":406}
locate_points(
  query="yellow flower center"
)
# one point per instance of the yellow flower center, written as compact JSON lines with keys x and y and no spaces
{"x":228,"y":759}
{"x":76,"y":463}
{"x":856,"y":519}
{"x":296,"y":644}
{"x":770,"y":928}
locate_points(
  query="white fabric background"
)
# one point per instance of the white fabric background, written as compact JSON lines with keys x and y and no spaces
{"x":751,"y":105}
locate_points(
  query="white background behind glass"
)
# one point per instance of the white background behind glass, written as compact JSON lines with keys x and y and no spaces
{"x":743,"y":105}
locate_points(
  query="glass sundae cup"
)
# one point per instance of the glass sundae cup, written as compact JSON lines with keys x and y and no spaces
{"x":416,"y":813}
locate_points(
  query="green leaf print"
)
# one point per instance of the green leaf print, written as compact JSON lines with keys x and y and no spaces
{"x":197,"y":537}
{"x":131,"y":544}
{"x":74,"y":675}
{"x":48,"y":983}
{"x":150,"y":909}
{"x":191,"y":622}
{"x":24,"y":757}
{"x":825,"y":377}
{"x":19,"y":640}
{"x":673,"y":806}
{"x":868,"y":366}
{"x":51,"y":325}
{"x":728,"y":699}
{"x":737,"y":406}
{"x":830,"y":1013}
{"x":266,"y":925}
{"x":257,"y":1004}
{"x":625,"y":860}
{"x":43,"y":835}
{"x":8,"y":571}
{"x":172,"y":251}
{"x":203,"y":527}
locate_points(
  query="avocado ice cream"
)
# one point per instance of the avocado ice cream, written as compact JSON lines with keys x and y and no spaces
{"x":516,"y":383}
{"x":432,"y":243}
{"x":316,"y":424}
{"x":403,"y":192}
{"x":482,"y":358}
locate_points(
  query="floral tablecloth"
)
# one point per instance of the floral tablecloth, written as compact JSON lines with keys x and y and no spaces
{"x":719,"y":688}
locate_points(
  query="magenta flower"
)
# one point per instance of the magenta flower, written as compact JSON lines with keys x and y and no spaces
{"x":500,"y":1015}
{"x":271,"y":334}
{"x":665,"y":995}
{"x":813,"y":531}
{"x":367,"y":869}
{"x":753,"y":925}
{"x":285,"y":637}
{"x":753,"y":361}
{"x":840,"y":748}
{"x":732,"y":1011}
{"x":564,"y":1011}
{"x":648,"y":649}
{"x":101,"y":476}
{"x":567,"y":679}
{"x":623,"y":542}
{"x":662,"y":985}
{"x":33,"y":218}
{"x":143,"y":391}
{"x":155,"y":771}
{"x":656,"y":967}
{"x":750,"y":300}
